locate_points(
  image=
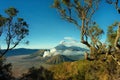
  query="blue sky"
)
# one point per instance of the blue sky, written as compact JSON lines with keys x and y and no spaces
{"x":47,"y":29}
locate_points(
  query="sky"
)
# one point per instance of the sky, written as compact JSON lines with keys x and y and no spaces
{"x":47,"y":28}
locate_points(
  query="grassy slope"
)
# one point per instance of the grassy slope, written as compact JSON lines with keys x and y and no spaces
{"x":87,"y":70}
{"x":79,"y":70}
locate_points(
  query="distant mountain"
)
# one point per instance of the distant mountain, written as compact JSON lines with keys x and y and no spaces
{"x":72,"y":48}
{"x":20,"y":51}
{"x":65,"y":50}
{"x":39,"y":53}
{"x":61,"y":47}
{"x":58,"y":59}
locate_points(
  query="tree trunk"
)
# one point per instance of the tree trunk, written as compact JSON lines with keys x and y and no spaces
{"x":86,"y":55}
{"x":83,"y":31}
{"x":116,"y":45}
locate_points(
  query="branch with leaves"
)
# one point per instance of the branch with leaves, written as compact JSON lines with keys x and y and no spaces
{"x":13,"y":29}
{"x":83,"y":9}
{"x":115,"y":3}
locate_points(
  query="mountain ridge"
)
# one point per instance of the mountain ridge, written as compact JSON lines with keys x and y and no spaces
{"x":20,"y":51}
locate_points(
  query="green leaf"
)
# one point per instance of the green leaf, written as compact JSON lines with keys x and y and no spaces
{"x":11,"y":11}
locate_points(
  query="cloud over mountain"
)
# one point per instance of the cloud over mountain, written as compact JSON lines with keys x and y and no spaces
{"x":69,"y":41}
{"x":68,"y":46}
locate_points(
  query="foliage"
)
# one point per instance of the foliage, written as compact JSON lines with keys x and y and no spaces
{"x":104,"y":61}
{"x":87,"y":70}
{"x":95,"y":31}
{"x":78,"y":12}
{"x":115,"y":3}
{"x":13,"y":30}
{"x":38,"y":74}
{"x":112,"y":33}
{"x":104,"y":66}
{"x":5,"y":70}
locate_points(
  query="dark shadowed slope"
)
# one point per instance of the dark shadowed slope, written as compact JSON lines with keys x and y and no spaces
{"x":58,"y":59}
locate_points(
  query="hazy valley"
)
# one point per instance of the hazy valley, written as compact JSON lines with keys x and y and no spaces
{"x":22,"y":61}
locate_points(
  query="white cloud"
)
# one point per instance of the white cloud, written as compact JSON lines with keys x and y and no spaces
{"x":62,"y":42}
{"x":68,"y":38}
{"x":69,"y":41}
